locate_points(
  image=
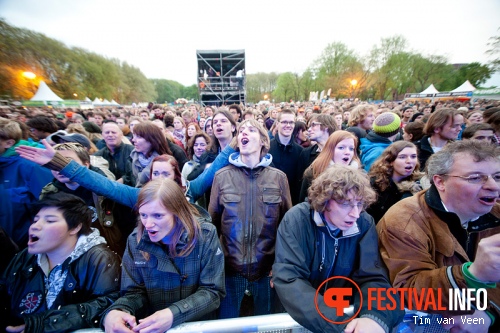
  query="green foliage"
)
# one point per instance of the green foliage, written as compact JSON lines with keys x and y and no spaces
{"x":260,"y":84}
{"x":476,"y":73}
{"x":190,"y":92}
{"x":388,"y":71}
{"x":286,"y":87}
{"x":494,"y":51}
{"x":66,"y":70}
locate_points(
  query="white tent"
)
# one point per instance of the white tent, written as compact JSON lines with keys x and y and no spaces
{"x":466,"y":86}
{"x":106,"y":102}
{"x":87,"y":99}
{"x":45,"y":94}
{"x":113,"y":102}
{"x":430,"y":90}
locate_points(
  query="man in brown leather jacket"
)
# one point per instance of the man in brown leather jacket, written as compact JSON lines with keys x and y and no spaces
{"x":248,"y":200}
{"x":448,"y":237}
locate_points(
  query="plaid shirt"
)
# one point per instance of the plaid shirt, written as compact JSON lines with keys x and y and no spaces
{"x":191,"y":287}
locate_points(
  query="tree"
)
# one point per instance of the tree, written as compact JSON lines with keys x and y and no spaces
{"x":285,"y":87}
{"x":336,"y":67}
{"x":66,"y":70}
{"x":494,"y":51}
{"x":476,"y":73}
{"x":385,"y":60}
{"x":260,"y":84}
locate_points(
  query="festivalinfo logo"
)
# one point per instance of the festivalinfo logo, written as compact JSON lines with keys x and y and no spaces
{"x":337,"y":300}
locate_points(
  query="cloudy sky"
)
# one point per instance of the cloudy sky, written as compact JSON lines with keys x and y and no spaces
{"x":161,"y":36}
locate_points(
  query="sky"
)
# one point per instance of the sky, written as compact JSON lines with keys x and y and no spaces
{"x":161,"y":37}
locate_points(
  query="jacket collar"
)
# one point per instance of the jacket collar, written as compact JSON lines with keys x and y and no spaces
{"x":287,"y":147}
{"x":321,"y":223}
{"x":117,"y":149}
{"x":235,"y":159}
{"x":489,"y":220}
{"x":374,"y":137}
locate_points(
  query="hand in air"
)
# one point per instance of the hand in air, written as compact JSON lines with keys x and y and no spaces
{"x":38,"y":155}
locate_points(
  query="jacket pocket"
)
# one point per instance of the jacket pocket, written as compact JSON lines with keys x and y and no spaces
{"x":272,"y":202}
{"x":231,"y":203}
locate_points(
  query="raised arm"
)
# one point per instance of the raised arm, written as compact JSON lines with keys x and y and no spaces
{"x":91,"y":180}
{"x":203,"y":182}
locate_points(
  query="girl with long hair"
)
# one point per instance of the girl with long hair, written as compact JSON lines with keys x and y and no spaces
{"x":394,"y":176}
{"x":340,"y":148}
{"x":173,"y":267}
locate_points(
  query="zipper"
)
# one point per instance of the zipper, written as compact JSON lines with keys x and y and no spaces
{"x":322,"y":253}
{"x":335,"y":252}
{"x":250,"y":224}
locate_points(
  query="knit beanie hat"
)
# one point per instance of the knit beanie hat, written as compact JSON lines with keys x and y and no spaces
{"x":387,"y":124}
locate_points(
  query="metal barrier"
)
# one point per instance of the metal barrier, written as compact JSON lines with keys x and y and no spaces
{"x":279,"y":323}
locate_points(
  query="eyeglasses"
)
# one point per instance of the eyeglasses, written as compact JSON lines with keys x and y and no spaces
{"x":289,"y":123}
{"x":478,"y":178}
{"x":314,"y":124}
{"x":348,"y":205}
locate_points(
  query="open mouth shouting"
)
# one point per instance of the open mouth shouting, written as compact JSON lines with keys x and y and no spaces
{"x":32,"y":239}
{"x":409,"y":168}
{"x":488,"y":200}
{"x":244,"y":141}
{"x":152,"y":233}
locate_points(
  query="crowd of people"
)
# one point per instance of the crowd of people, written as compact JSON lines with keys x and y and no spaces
{"x":140,"y":219}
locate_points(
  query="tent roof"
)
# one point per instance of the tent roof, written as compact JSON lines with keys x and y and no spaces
{"x":45,"y":94}
{"x":430,"y":90}
{"x":87,"y":99}
{"x":466,"y":86}
{"x":114,"y":102}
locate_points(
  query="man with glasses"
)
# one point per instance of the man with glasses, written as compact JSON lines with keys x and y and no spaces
{"x":320,"y":128}
{"x":286,"y":152}
{"x":448,"y":237}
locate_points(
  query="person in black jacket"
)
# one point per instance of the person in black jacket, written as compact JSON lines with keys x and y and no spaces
{"x":117,"y":154}
{"x":66,"y":277}
{"x":286,"y":152}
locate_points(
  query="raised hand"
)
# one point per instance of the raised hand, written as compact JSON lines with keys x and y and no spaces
{"x":38,"y":155}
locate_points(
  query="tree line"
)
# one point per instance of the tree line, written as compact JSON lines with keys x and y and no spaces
{"x":74,"y":73}
{"x":387,"y":72}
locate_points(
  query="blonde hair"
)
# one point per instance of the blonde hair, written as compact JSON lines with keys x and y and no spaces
{"x":359,"y":113}
{"x":10,"y":130}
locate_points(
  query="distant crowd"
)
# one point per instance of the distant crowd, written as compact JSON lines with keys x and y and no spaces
{"x":140,"y":219}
